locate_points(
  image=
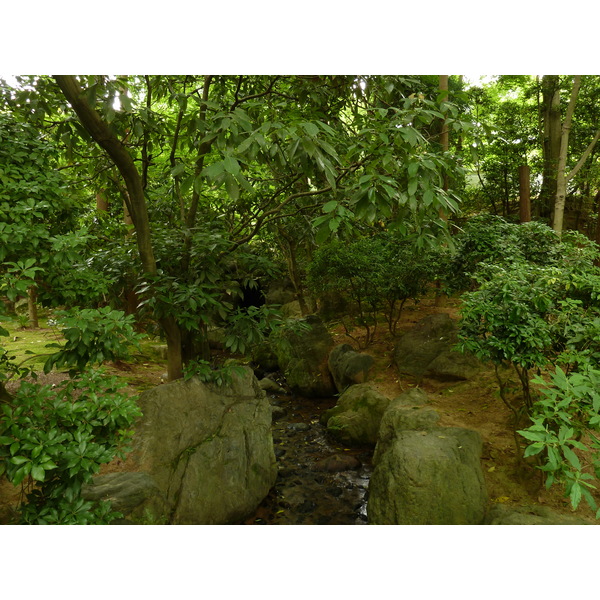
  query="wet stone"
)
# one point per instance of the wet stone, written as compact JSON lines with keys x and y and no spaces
{"x":298,"y":427}
{"x":338,"y":462}
{"x":307,"y":506}
{"x":278,"y":412}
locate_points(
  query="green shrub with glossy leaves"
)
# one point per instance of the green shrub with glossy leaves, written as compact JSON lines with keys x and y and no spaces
{"x":566,"y":418}
{"x":376,"y":273}
{"x":93,"y":336}
{"x":55,"y":439}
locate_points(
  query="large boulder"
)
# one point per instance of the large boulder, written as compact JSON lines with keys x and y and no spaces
{"x":280,"y":291}
{"x":208,"y":449}
{"x":427,"y":350}
{"x":356,"y":417}
{"x":302,"y":358}
{"x":409,"y":411}
{"x":348,"y":367}
{"x":425,"y":474}
{"x":428,"y":477}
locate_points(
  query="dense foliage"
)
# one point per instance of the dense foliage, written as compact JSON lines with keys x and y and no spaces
{"x":376,"y":274}
{"x":56,"y":439}
{"x":537,"y":307}
{"x":162,"y":204}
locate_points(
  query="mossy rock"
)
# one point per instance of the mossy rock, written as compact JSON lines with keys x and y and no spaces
{"x":356,"y":418}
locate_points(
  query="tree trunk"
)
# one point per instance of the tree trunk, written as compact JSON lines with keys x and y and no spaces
{"x":32,"y":307}
{"x":561,"y":175}
{"x":445,"y":143}
{"x":288,"y":247}
{"x":551,"y":143}
{"x":126,"y":215}
{"x":174,"y":348}
{"x":101,"y":201}
{"x":444,"y":137}
{"x":597,"y":233}
{"x":524,"y":194}
{"x":100,"y":131}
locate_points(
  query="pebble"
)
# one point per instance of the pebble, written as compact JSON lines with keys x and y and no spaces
{"x":298,"y":427}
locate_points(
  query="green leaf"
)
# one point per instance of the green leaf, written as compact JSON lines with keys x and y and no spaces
{"x":571,"y":457}
{"x":177,"y":170}
{"x":38,"y":473}
{"x":575,"y":495}
{"x":330,"y":206}
{"x":232,"y":187}
{"x":533,"y":449}
{"x":231,"y":165}
{"x":214,"y":170}
{"x":412,"y":186}
{"x":533,"y":435}
{"x":311,"y":129}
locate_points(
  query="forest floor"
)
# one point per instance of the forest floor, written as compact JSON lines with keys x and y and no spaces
{"x":472,"y":404}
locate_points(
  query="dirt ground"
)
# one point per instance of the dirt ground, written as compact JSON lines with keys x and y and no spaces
{"x":471,"y":404}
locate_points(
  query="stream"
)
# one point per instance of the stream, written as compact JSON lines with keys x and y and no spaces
{"x":319,"y":482}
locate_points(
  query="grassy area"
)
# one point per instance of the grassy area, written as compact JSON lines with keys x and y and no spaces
{"x":29,"y":344}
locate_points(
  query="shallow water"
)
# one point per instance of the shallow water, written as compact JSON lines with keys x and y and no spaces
{"x":303,"y":494}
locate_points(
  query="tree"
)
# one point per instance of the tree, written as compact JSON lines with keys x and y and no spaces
{"x":563,"y":177}
{"x":38,"y":228}
{"x":248,"y":152}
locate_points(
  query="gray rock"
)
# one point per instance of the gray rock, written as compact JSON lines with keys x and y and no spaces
{"x":356,"y":417}
{"x":427,"y":350}
{"x":280,"y":291}
{"x":209,"y":449}
{"x":263,"y":355}
{"x":302,"y":357}
{"x":451,"y":365}
{"x":133,"y":494}
{"x":291,"y":309}
{"x":431,"y":477}
{"x":337,"y":463}
{"x":412,"y":397}
{"x":269,"y":386}
{"x":216,"y":338}
{"x":278,"y":412}
{"x":348,"y":367}
{"x":298,"y":426}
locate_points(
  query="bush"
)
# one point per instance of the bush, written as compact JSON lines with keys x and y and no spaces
{"x":489,"y":239}
{"x":93,"y":336}
{"x":377,"y":273}
{"x":52,"y":441}
{"x":539,"y":308}
{"x":568,"y":408}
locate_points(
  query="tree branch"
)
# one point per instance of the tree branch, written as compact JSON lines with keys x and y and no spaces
{"x":584,"y":157}
{"x":104,"y":137}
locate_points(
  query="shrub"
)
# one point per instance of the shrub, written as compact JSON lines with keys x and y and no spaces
{"x":377,"y":273}
{"x":539,"y":308}
{"x":489,"y":239}
{"x":93,"y":336}
{"x":568,"y":408}
{"x":52,"y":441}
